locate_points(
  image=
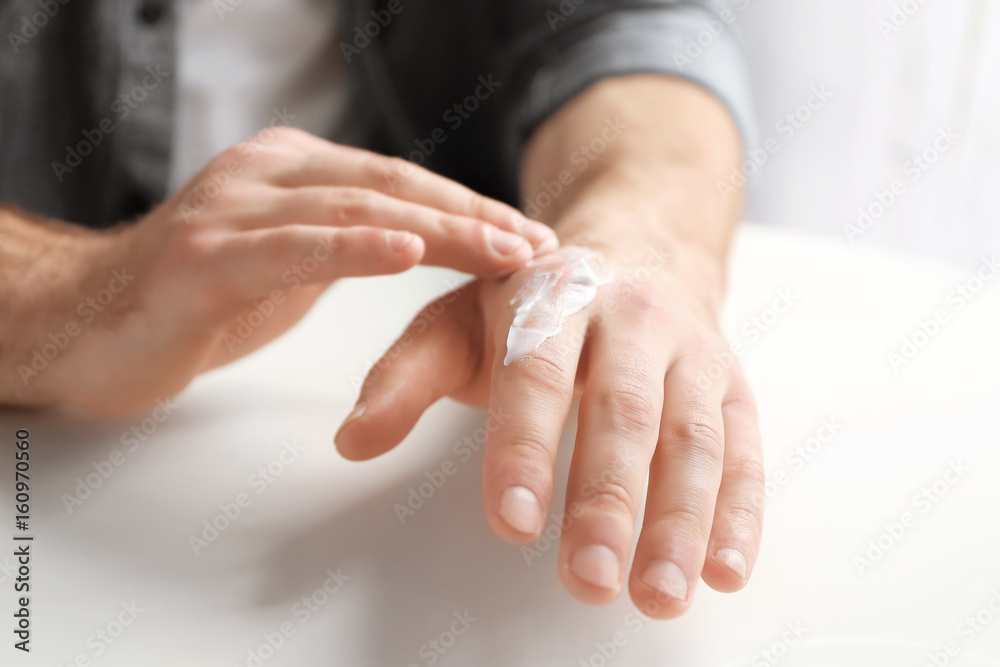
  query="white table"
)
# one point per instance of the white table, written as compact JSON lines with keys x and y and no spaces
{"x":397,"y":587}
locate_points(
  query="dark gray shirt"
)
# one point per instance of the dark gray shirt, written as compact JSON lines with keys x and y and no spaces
{"x":86,"y":96}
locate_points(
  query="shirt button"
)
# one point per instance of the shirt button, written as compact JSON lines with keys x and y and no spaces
{"x":150,"y":12}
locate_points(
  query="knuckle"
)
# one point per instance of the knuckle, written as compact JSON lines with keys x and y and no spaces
{"x":746,"y":511}
{"x":475,"y":205}
{"x":547,"y":376}
{"x":264,"y":144}
{"x":282,"y":247}
{"x":702,"y":350}
{"x":748,"y":476}
{"x":746,"y":515}
{"x":688,"y":524}
{"x":700,"y":434}
{"x":287,"y":133}
{"x":645,"y":304}
{"x":227,"y":157}
{"x":194,"y":245}
{"x":529,"y":450}
{"x":386,"y":170}
{"x":303,"y":165}
{"x":748,"y":471}
{"x":352,"y":204}
{"x":634,"y":406}
{"x":612,"y":494}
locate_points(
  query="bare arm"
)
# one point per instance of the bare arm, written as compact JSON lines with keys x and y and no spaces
{"x":111,"y":322}
{"x":667,"y":144}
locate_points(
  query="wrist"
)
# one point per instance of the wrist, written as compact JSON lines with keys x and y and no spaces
{"x":45,"y":269}
{"x":656,"y":222}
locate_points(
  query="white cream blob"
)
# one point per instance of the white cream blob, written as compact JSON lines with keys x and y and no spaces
{"x":560,"y":285}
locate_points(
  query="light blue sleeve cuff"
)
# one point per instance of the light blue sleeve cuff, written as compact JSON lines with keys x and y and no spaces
{"x":691,"y":41}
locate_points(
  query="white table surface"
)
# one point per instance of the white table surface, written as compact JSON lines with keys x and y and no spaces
{"x":824,"y":359}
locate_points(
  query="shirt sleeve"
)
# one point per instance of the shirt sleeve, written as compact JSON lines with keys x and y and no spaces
{"x":695,"y":41}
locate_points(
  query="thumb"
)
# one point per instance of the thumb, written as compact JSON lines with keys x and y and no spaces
{"x":434,"y":357}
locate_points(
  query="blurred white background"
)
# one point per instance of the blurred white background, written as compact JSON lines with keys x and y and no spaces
{"x":899,"y":72}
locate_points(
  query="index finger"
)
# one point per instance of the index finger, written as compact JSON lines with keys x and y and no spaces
{"x":326,"y":163}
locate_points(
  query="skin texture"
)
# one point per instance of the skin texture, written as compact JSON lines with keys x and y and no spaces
{"x":642,"y":358}
{"x":263,"y":230}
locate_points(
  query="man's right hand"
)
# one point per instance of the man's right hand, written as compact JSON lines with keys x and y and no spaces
{"x":111,"y":322}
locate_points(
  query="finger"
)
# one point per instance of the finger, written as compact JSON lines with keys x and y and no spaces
{"x":739,"y":512}
{"x":256,"y":262}
{"x":326,"y":164}
{"x":432,"y":359}
{"x":684,"y":479}
{"x":457,"y":242}
{"x":531,"y":399}
{"x":618,"y":426}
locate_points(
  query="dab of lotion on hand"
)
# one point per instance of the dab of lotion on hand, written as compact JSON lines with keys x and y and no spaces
{"x":558,"y":287}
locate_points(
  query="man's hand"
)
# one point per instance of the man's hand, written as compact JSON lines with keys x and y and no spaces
{"x":111,"y":322}
{"x":655,"y":402}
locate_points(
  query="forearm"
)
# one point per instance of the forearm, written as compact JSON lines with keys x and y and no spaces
{"x":641,"y":158}
{"x":42,"y":263}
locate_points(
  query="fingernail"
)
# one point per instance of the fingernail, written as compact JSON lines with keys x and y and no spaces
{"x":520,"y":509}
{"x":398,"y":240}
{"x":358,"y":410}
{"x":734,"y":560}
{"x":598,"y":565}
{"x":549,"y":245}
{"x":667,"y":578}
{"x":505,"y":243}
{"x":542,"y":237}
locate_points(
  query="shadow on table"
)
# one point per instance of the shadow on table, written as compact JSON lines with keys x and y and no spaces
{"x":434,"y":588}
{"x":420,"y":576}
